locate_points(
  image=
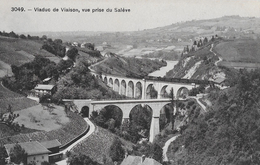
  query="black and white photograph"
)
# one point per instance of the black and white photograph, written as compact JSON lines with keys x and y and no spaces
{"x":130,"y":82}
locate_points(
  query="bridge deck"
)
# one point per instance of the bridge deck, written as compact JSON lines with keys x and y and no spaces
{"x":131,"y":101}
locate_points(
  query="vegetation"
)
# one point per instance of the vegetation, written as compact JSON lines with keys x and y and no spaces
{"x":55,"y":47}
{"x":97,"y":145}
{"x":137,"y":127}
{"x":129,"y":67}
{"x":81,"y":159}
{"x":197,"y":90}
{"x":109,"y":118}
{"x":172,"y":55}
{"x":3,"y":154}
{"x":202,"y":56}
{"x":134,"y":130}
{"x":152,"y":150}
{"x":239,"y":50}
{"x":18,"y":155}
{"x":17,"y":101}
{"x":66,"y":133}
{"x":80,"y":84}
{"x":117,"y":152}
{"x":15,"y":51}
{"x":228,"y":133}
{"x":29,"y":74}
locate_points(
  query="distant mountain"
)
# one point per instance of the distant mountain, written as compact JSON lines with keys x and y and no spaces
{"x":228,"y":26}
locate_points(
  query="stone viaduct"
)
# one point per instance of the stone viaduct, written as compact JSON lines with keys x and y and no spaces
{"x":139,"y":90}
{"x":126,"y":107}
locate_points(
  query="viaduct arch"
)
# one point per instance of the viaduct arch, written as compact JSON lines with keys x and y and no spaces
{"x":126,"y":106}
{"x":142,"y":88}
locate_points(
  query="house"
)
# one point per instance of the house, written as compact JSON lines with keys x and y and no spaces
{"x":52,"y":145}
{"x":36,"y":152}
{"x":138,"y":160}
{"x":44,"y":89}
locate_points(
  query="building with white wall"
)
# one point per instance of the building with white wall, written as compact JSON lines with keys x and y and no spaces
{"x":36,"y":152}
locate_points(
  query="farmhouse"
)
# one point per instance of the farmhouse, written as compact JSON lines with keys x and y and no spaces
{"x":43,"y":89}
{"x":36,"y":152}
{"x":52,"y":145}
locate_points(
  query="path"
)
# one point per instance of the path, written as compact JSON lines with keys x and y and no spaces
{"x":91,"y":130}
{"x":219,"y":58}
{"x":166,"y":146}
{"x":199,"y":102}
{"x":93,"y":65}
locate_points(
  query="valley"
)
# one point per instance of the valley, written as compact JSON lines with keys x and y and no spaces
{"x":182,"y":94}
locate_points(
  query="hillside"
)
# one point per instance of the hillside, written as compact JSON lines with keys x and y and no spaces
{"x":64,"y":134}
{"x":15,"y":51}
{"x":228,"y":133}
{"x":199,"y":64}
{"x":16,"y":100}
{"x":97,"y":145}
{"x":239,"y":53}
{"x":178,"y":35}
{"x":132,"y":67}
{"x":207,"y":62}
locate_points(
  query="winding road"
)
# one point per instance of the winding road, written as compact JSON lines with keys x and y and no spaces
{"x":219,"y":58}
{"x":166,"y":146}
{"x":91,"y":130}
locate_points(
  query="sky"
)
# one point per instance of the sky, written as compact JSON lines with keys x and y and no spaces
{"x":144,"y":14}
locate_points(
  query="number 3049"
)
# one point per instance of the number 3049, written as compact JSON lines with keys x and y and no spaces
{"x":19,"y":9}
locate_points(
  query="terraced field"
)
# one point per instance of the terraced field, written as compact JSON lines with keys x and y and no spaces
{"x":65,"y":134}
{"x":16,"y":100}
{"x":19,"y":51}
{"x":97,"y":145}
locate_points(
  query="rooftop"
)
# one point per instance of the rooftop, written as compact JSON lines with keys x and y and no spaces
{"x":31,"y":148}
{"x":132,"y":160}
{"x":149,"y":161}
{"x":44,"y":87}
{"x":137,"y":160}
{"x":51,"y":143}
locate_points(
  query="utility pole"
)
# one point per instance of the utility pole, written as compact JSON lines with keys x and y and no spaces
{"x":172,"y":115}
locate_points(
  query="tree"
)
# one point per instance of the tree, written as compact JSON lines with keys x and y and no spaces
{"x":3,"y":155}
{"x":117,"y":152}
{"x":187,"y":48}
{"x":22,"y":36}
{"x":172,"y":119}
{"x":81,"y":160}
{"x":205,"y":40}
{"x":9,"y":108}
{"x":63,"y":65}
{"x":72,"y":53}
{"x":156,"y":152}
{"x":44,"y":37}
{"x":153,"y":92}
{"x":18,"y":154}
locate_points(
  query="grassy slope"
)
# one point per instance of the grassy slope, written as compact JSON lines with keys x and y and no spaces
{"x":16,"y":100}
{"x":242,"y":50}
{"x":128,"y":66}
{"x":6,"y":131}
{"x":68,"y":131}
{"x":98,"y":144}
{"x":15,"y":51}
{"x":204,"y":70}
